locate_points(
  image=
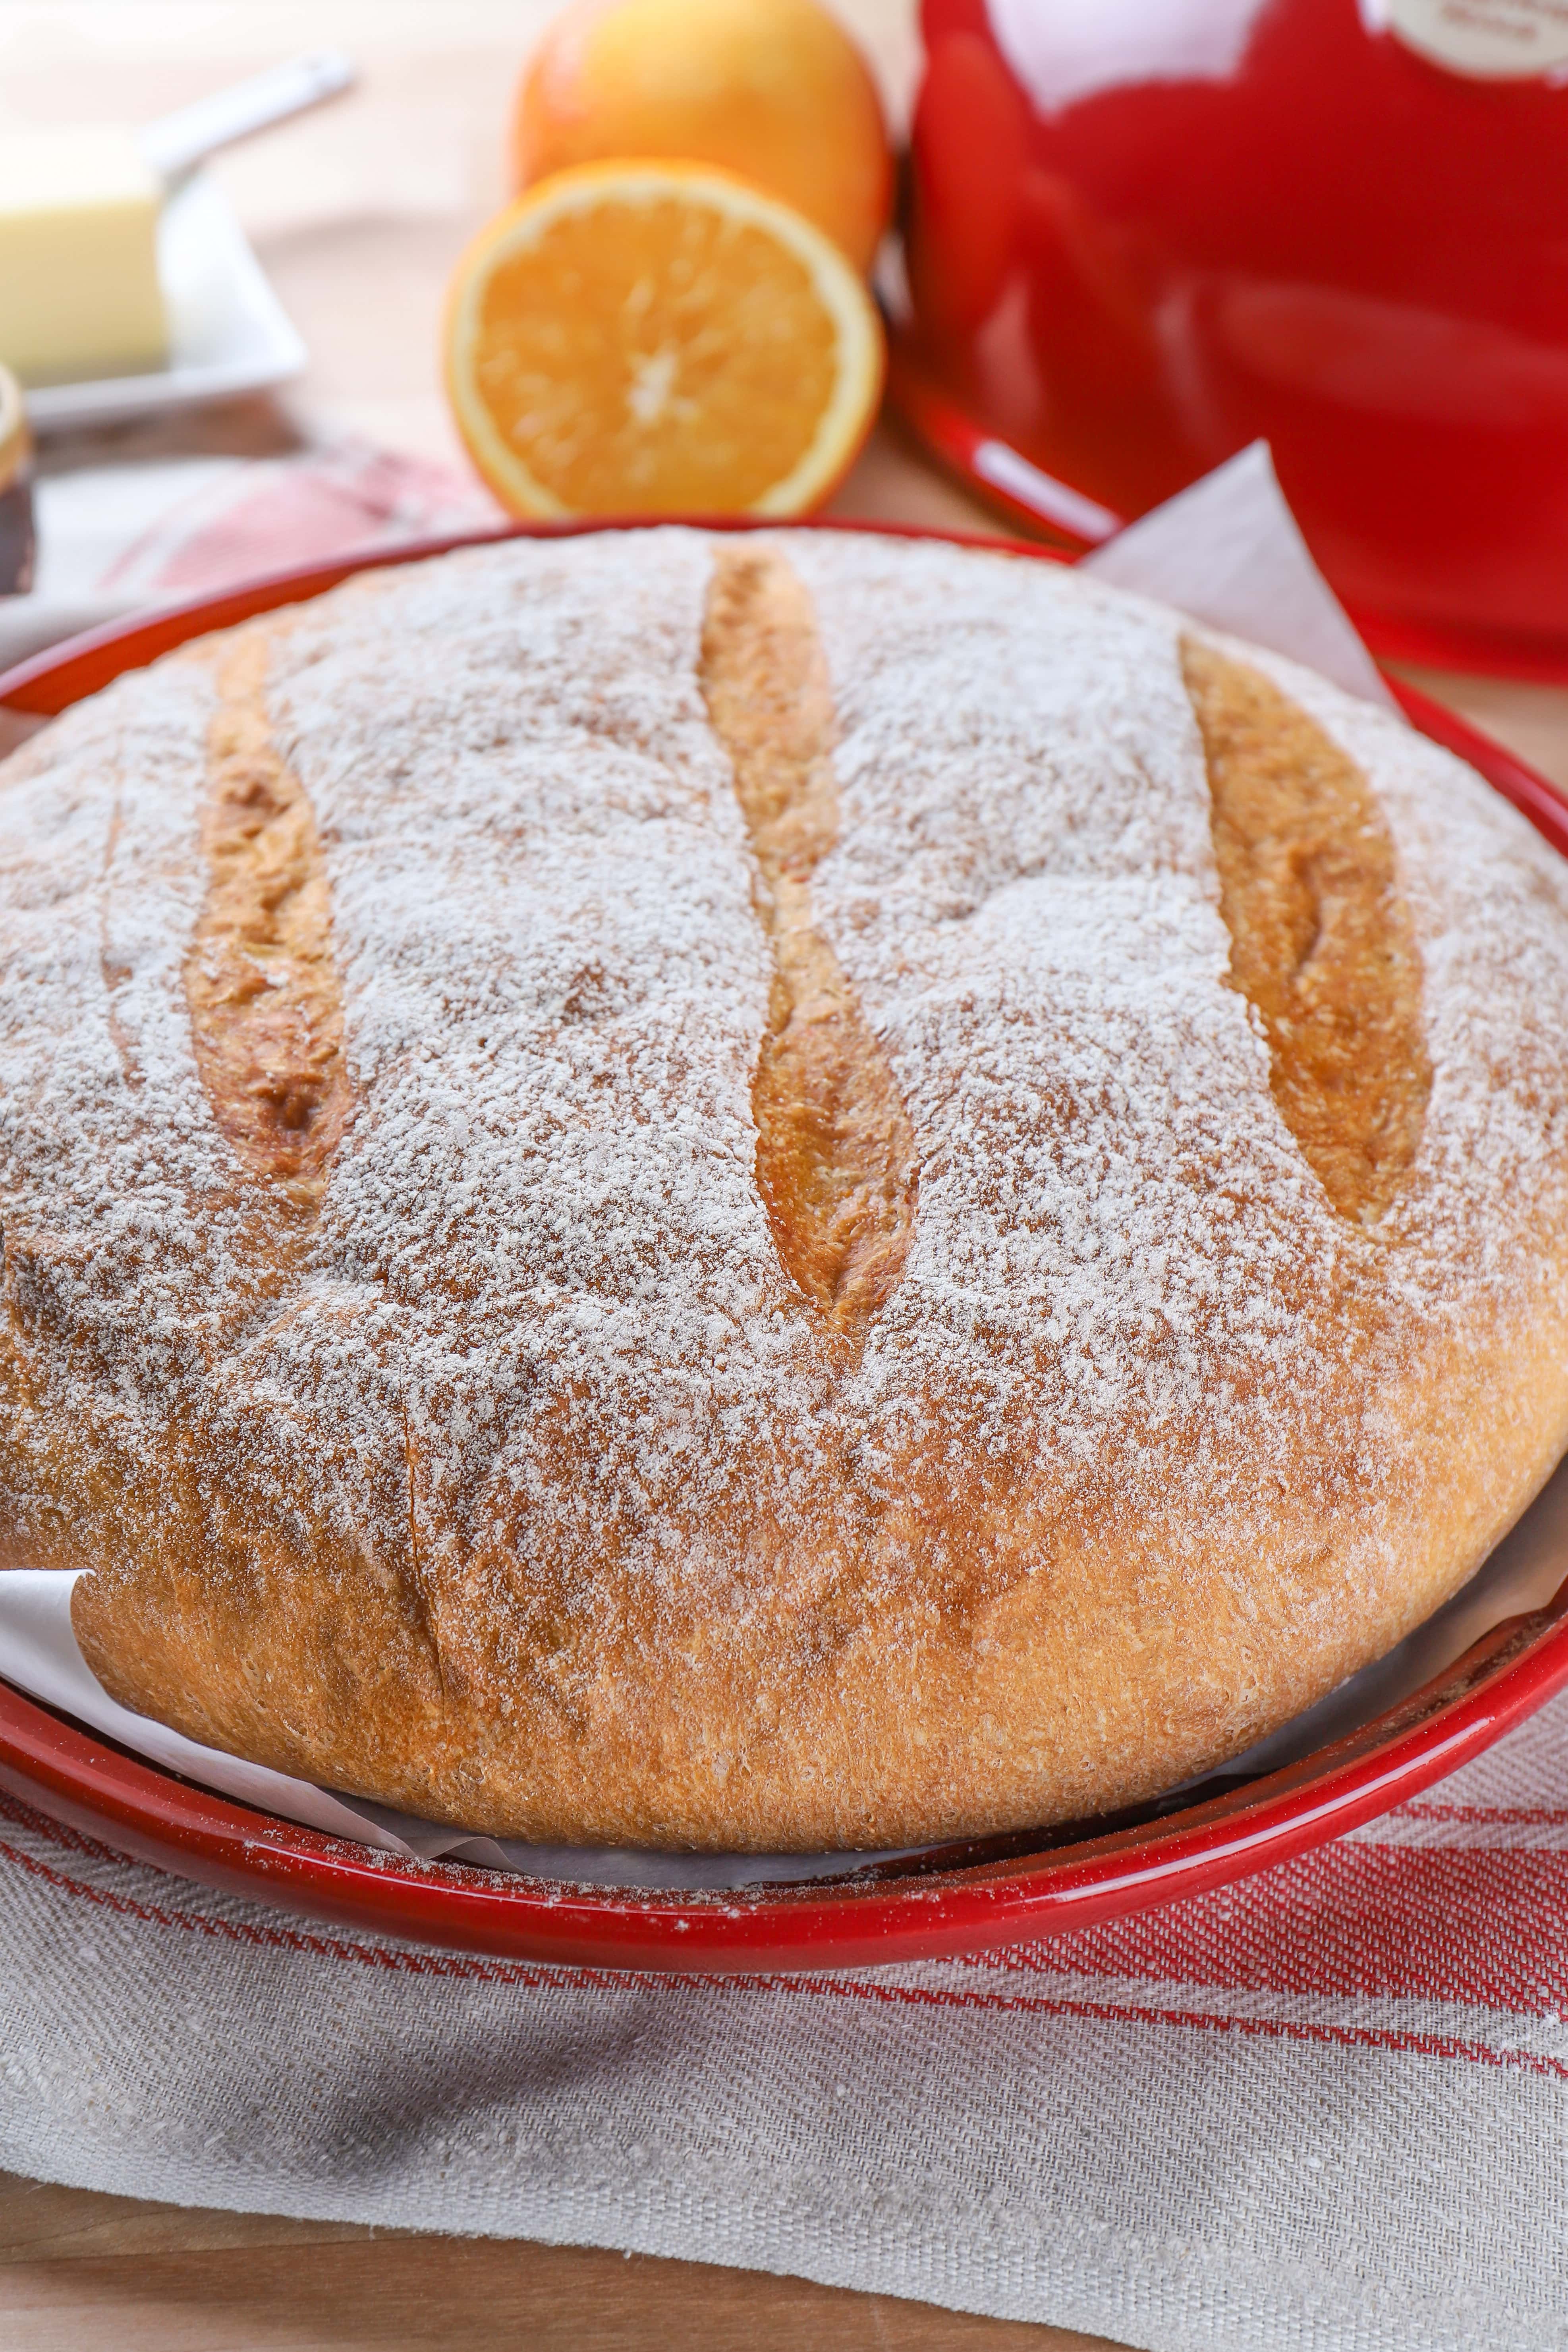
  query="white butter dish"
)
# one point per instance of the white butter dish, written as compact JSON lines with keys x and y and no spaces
{"x":229,"y":333}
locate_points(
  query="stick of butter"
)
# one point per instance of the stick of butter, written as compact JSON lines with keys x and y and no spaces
{"x":79,"y":255}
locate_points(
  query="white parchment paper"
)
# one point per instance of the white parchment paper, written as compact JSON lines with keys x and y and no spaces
{"x":1227,"y":551}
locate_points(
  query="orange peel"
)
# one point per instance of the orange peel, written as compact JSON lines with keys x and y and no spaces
{"x":660,"y":338}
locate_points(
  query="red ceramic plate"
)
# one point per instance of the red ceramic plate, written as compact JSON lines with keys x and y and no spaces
{"x":962,"y":1899}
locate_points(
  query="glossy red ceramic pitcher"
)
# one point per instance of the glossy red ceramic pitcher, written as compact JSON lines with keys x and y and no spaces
{"x":1145,"y":232}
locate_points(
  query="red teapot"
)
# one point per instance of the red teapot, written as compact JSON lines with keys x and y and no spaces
{"x":1143,"y":233}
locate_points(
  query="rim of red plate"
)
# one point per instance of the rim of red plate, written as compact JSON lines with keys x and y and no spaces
{"x":1003,"y":479}
{"x":947,"y":1905}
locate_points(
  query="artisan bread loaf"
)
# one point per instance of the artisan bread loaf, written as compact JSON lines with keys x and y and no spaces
{"x":777,"y":1191}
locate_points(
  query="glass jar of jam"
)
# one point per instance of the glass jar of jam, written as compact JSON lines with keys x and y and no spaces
{"x":16,"y":540}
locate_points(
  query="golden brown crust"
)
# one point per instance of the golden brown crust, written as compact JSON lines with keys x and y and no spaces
{"x":836,"y":1158}
{"x":608,"y":1442}
{"x":266,"y":1015}
{"x":1320,"y":937}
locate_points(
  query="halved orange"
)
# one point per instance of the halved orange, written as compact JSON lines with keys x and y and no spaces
{"x":660,"y":338}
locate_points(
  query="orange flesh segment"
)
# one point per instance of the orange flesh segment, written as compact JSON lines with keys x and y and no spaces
{"x":657,"y":352}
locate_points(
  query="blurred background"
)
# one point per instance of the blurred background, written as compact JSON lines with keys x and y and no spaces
{"x":358,"y":211}
{"x":1125,"y":237}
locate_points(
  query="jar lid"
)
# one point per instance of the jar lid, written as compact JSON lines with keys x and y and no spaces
{"x":15,"y":441}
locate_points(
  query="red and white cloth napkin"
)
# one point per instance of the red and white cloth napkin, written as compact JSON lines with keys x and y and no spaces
{"x":117,"y":537}
{"x":1325,"y":2110}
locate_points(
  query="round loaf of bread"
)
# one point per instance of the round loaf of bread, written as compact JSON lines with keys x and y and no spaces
{"x":766,"y":1191}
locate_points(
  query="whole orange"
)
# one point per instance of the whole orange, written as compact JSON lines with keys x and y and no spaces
{"x":773,"y":89}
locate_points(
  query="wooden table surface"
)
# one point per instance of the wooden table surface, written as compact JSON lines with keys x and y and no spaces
{"x":357,"y":215}
{"x":80,"y":2273}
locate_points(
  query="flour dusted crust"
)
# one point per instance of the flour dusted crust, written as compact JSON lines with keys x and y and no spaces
{"x":764,"y":1194}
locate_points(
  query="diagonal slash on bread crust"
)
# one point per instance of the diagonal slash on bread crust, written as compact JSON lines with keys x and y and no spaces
{"x":1321,"y":943}
{"x":835,"y":1153}
{"x":266,"y":1009}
